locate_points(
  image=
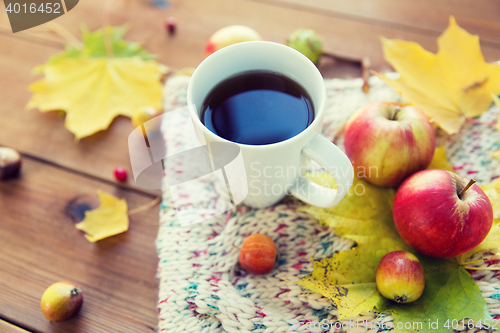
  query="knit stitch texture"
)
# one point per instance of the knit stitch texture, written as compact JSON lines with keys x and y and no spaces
{"x":202,"y":286}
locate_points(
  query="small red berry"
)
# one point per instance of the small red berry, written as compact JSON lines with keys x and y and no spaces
{"x":121,"y":174}
{"x":258,"y":254}
{"x":171,"y":25}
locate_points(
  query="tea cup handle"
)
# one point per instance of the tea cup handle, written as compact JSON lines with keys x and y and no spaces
{"x":336,"y":163}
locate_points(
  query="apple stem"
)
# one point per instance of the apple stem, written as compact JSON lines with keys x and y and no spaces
{"x":397,"y":108}
{"x":468,"y":186}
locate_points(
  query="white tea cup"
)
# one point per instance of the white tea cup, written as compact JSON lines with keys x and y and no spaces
{"x":277,"y":169}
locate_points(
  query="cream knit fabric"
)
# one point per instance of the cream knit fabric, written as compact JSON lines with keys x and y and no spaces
{"x":202,"y":287}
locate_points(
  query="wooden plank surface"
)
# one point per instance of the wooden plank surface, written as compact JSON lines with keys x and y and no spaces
{"x":428,"y":17}
{"x":40,"y":246}
{"x":343,"y":35}
{"x":44,"y":136}
{"x":6,"y":327}
{"x":197,"y":20}
{"x":37,"y":212}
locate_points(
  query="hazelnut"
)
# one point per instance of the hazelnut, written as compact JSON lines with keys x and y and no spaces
{"x":10,"y":163}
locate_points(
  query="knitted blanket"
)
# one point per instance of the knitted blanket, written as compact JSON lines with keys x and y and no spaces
{"x":203,"y":288}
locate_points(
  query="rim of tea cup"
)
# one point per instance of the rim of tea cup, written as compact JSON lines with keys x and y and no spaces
{"x":304,"y":61}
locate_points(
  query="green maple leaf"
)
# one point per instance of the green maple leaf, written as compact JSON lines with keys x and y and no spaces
{"x":450,"y":294}
{"x":94,"y":45}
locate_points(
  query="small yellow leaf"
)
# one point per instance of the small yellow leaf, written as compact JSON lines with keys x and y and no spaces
{"x":94,"y":90}
{"x":186,"y":71}
{"x":492,"y":240}
{"x":496,"y":100}
{"x":440,"y":160}
{"x":450,"y":86}
{"x":495,"y":154}
{"x":322,"y":178}
{"x":111,"y":218}
{"x":493,"y":193}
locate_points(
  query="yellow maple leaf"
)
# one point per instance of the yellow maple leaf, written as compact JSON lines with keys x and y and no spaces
{"x":440,"y":160}
{"x":496,"y":154}
{"x":111,"y":218}
{"x":450,"y":86}
{"x":348,"y":277}
{"x":490,"y":243}
{"x":94,"y":90}
{"x":494,"y":196}
{"x":496,"y":100}
{"x":492,"y":190}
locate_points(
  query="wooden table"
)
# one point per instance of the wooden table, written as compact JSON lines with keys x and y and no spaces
{"x":39,"y":244}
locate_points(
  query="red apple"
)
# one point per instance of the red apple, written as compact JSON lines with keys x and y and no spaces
{"x":442,"y":214}
{"x":387,"y":142}
{"x":400,"y":277}
{"x":230,"y":35}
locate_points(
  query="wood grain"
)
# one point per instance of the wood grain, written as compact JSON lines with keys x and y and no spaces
{"x":347,"y":28}
{"x":40,"y":246}
{"x":428,"y":17}
{"x":6,"y":327}
{"x":44,"y":136}
{"x":39,"y":243}
{"x":197,"y":20}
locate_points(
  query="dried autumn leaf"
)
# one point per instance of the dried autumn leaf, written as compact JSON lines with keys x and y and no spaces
{"x":450,"y":86}
{"x":111,"y":218}
{"x":93,"y":89}
{"x":496,"y":154}
{"x":496,"y":100}
{"x":493,"y":192}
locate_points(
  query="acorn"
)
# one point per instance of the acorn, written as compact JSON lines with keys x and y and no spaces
{"x":10,"y":163}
